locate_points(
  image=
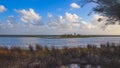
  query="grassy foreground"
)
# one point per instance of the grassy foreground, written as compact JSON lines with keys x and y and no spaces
{"x":107,"y":55}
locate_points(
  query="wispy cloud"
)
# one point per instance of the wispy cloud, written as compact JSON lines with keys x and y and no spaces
{"x":2,"y":8}
{"x":74,"y":5}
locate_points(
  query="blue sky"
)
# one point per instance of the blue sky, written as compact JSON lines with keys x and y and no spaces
{"x":56,"y":7}
{"x":48,"y":17}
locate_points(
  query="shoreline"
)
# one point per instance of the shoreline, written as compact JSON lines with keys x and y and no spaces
{"x":60,"y":36}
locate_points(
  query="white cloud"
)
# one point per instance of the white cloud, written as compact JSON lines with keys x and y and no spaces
{"x":72,"y":17}
{"x":67,"y":21}
{"x":70,"y":23}
{"x":29,"y":16}
{"x":11,"y":19}
{"x":10,"y":25}
{"x":11,"y":22}
{"x":74,"y":5}
{"x":2,"y":8}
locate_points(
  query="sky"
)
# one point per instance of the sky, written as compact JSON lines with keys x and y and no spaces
{"x":51,"y":17}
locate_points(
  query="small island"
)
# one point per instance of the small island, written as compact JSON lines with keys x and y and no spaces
{"x":85,"y":36}
{"x":74,"y":36}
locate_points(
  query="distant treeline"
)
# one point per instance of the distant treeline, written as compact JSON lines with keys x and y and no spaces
{"x":61,"y":36}
{"x":43,"y":36}
{"x":82,"y":36}
{"x":38,"y":56}
{"x":73,"y":36}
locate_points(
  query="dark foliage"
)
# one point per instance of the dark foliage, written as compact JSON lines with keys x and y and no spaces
{"x":107,"y":8}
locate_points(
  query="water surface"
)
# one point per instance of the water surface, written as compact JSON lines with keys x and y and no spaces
{"x":80,"y":66}
{"x":58,"y":42}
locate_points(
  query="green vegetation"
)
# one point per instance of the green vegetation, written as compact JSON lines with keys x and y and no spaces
{"x":107,"y":55}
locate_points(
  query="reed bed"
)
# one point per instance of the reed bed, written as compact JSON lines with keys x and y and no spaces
{"x":39,"y":56}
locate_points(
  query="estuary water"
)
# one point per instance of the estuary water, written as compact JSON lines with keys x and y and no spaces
{"x":80,"y":66}
{"x":58,"y":42}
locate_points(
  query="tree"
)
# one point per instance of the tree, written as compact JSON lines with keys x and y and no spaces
{"x":107,"y":8}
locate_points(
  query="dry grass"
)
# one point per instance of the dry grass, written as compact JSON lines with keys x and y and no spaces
{"x":45,"y":57}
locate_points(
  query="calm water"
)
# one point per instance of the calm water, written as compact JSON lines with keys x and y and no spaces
{"x":80,"y":66}
{"x":25,"y":41}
